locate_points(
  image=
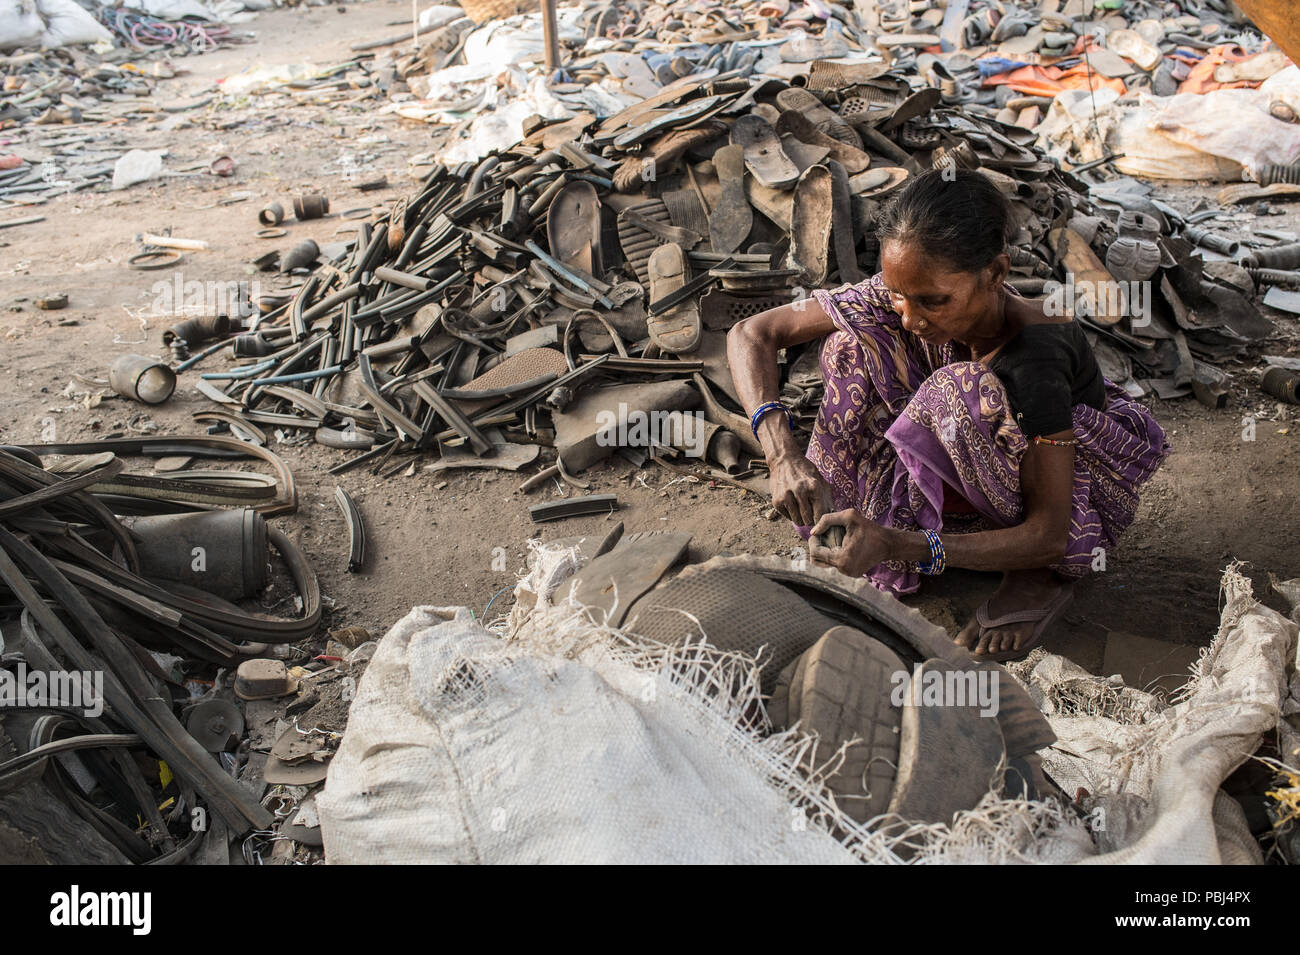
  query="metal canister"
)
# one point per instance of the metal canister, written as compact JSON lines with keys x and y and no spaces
{"x":311,"y":206}
{"x":142,"y":378}
{"x":222,"y":552}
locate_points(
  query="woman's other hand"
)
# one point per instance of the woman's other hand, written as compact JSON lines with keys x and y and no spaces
{"x":865,"y":543}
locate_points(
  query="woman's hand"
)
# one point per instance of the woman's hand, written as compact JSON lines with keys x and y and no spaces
{"x":865,"y":545}
{"x":798,"y":490}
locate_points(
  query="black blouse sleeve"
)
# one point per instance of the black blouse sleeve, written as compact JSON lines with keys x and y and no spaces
{"x":1037,"y":379}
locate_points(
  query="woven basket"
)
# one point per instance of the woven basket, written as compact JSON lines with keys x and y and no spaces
{"x":480,"y":11}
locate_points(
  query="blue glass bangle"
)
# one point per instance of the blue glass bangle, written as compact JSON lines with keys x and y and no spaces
{"x":938,"y":559}
{"x":763,"y":409}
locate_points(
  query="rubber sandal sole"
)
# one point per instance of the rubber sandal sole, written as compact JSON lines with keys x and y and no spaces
{"x":764,"y":157}
{"x":678,"y":329}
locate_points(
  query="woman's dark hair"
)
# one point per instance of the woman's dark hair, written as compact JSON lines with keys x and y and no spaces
{"x":957,"y":215}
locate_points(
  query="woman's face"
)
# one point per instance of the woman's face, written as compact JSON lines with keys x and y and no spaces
{"x":938,"y":304}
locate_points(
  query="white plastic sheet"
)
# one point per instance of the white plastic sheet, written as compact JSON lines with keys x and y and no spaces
{"x":565,"y":742}
{"x":68,"y":23}
{"x":21,"y":24}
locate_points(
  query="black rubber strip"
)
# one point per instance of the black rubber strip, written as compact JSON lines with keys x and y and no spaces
{"x":573,"y":507}
{"x":356,"y":529}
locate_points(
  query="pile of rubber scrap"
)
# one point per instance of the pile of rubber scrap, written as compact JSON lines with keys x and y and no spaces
{"x":142,"y":670}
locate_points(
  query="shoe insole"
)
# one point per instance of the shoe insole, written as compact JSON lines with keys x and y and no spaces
{"x":732,"y":218}
{"x":810,"y":228}
{"x":573,"y":227}
{"x":676,"y":329}
{"x":610,"y":584}
{"x":764,"y":158}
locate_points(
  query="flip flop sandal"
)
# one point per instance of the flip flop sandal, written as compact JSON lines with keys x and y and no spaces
{"x":846,"y":256}
{"x":1042,"y":620}
{"x":801,"y":128}
{"x":732,"y":218}
{"x":805,"y":49}
{"x":555,"y":134}
{"x":676,"y":330}
{"x":768,"y":113}
{"x":918,"y":104}
{"x":573,"y":227}
{"x":915,"y":40}
{"x":764,"y":158}
{"x":639,"y":134}
{"x":776,"y":204}
{"x":635,"y":113}
{"x":810,"y":228}
{"x":877,"y":182}
{"x":803,"y":154}
{"x":819,"y":114}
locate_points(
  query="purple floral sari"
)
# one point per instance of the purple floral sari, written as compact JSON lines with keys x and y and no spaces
{"x":901,"y":420}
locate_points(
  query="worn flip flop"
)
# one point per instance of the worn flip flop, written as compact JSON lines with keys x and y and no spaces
{"x":877,"y":182}
{"x":677,"y":329}
{"x":732,"y":218}
{"x":764,"y":157}
{"x":1042,"y":620}
{"x":819,"y":114}
{"x":918,"y":104}
{"x":573,"y":227}
{"x":810,"y":227}
{"x":692,"y":110}
{"x":801,"y":128}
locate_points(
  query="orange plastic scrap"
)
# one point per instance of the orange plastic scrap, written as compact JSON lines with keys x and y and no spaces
{"x":1050,"y":80}
{"x":1201,"y":78}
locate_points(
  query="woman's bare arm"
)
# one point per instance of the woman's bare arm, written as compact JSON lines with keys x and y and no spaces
{"x":752,"y":348}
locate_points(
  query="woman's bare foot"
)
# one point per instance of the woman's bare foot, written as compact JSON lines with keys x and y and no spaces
{"x":1020,"y":590}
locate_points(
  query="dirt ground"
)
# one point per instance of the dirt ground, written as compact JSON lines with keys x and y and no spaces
{"x":1219,"y":498}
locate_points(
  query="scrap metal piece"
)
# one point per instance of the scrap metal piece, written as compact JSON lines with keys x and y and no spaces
{"x":311,"y":206}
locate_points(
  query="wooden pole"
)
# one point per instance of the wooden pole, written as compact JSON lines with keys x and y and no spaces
{"x":550,"y":36}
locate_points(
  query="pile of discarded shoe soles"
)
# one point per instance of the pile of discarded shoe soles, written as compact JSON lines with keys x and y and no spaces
{"x":493,"y":310}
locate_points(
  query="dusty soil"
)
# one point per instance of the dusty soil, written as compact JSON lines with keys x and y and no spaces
{"x":1218,"y":499}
